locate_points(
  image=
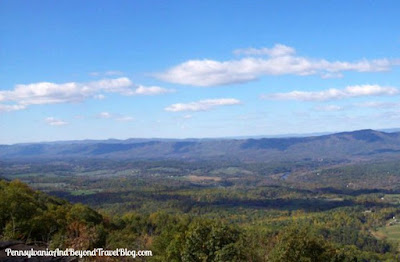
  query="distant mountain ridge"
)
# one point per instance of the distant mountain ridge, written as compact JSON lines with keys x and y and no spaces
{"x":356,"y":144}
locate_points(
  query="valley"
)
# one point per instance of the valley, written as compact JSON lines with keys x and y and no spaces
{"x":347,"y":201}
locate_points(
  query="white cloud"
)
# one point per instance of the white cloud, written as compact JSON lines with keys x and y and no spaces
{"x":202,"y":105}
{"x":331,"y":75}
{"x":277,"y":50}
{"x":113,"y":73}
{"x":329,"y":108}
{"x":125,"y":118}
{"x":152,"y":90}
{"x":51,"y":93}
{"x":332,"y":94}
{"x":55,"y":122}
{"x":9,"y":108}
{"x":99,"y":96}
{"x":107,"y":73}
{"x":104,"y":115}
{"x":375,"y":104}
{"x":280,"y":60}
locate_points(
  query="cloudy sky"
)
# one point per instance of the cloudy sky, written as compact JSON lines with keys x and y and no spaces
{"x":178,"y":69}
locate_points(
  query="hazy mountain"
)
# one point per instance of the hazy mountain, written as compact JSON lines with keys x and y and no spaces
{"x":357,"y":144}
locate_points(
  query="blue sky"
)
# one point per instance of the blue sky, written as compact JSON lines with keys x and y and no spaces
{"x":125,"y":69}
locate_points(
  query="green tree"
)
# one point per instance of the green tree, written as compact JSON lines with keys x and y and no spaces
{"x":297,"y":244}
{"x":211,"y":241}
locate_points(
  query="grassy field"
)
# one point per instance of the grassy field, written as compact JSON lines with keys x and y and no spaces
{"x":390,"y":232}
{"x":392,"y":198}
{"x":196,"y":179}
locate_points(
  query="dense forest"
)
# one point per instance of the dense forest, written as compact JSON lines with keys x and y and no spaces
{"x":306,"y":210}
{"x":341,"y":234}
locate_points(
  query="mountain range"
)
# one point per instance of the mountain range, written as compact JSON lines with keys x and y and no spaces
{"x":361,"y":144}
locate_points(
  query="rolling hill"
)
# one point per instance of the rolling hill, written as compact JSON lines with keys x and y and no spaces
{"x":362,"y":144}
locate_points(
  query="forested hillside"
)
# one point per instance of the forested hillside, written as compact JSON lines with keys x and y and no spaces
{"x":196,"y":218}
{"x":323,"y":198}
{"x":363,"y":144}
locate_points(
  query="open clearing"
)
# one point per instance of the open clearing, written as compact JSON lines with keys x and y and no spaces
{"x":390,"y":232}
